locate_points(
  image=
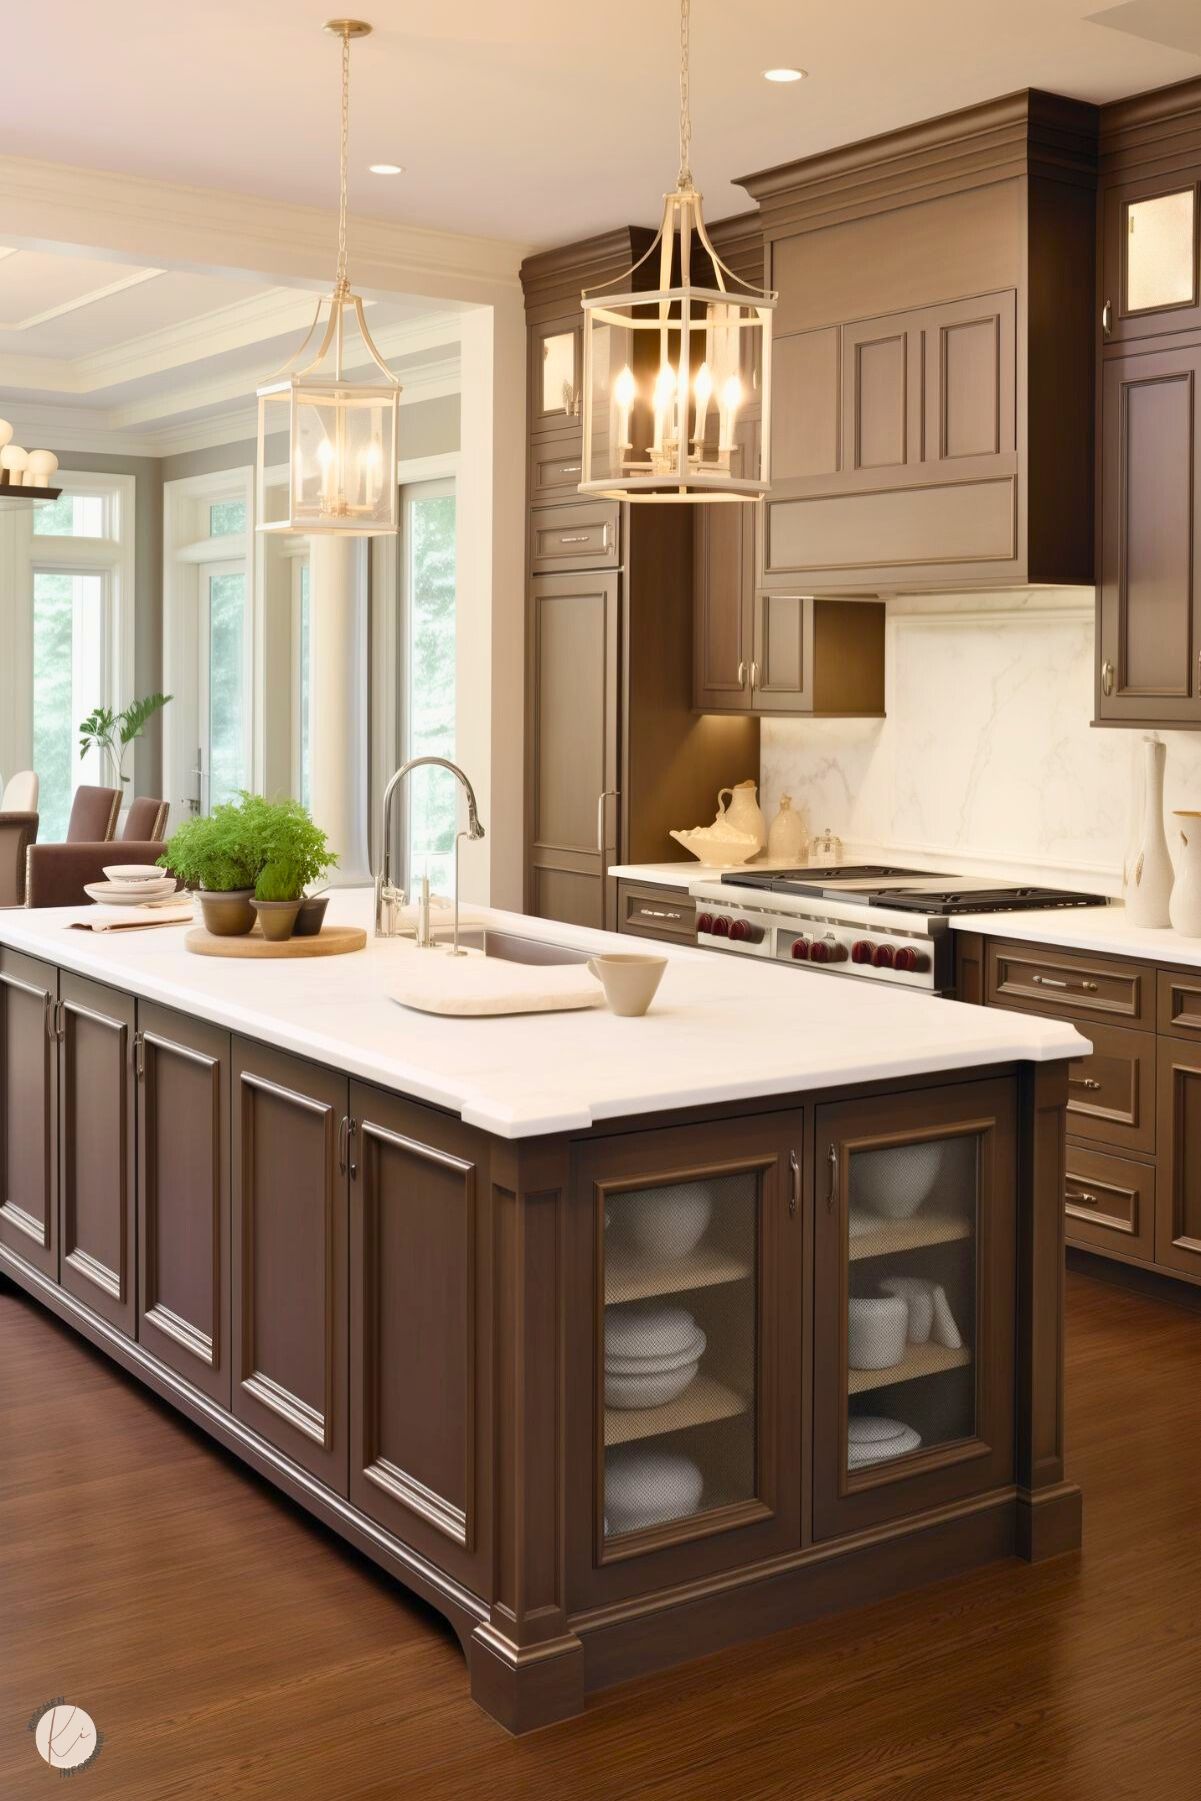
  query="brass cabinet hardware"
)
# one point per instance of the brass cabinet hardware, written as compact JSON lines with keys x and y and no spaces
{"x":352,"y":1126}
{"x":60,"y":1020}
{"x":832,"y":1160}
{"x":139,"y":1055}
{"x":1082,"y":987}
{"x":1107,"y":318}
{"x":343,"y":1142}
{"x":741,"y":673}
{"x":569,"y":468}
{"x":1107,"y":677}
{"x":573,"y":538}
{"x":48,"y":1014}
{"x":1084,"y":1082}
{"x":1083,"y":1196}
{"x":608,"y":794}
{"x":794,"y":1196}
{"x":658,"y":913}
{"x":754,"y":674}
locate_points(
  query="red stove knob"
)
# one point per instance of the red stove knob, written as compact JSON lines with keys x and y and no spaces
{"x":819,"y":951}
{"x":721,"y":926}
{"x":740,"y":931}
{"x":862,"y":951}
{"x":883,"y":956}
{"x":800,"y":949}
{"x":754,"y":934}
{"x":910,"y":960}
{"x":838,"y":952}
{"x":704,"y":922}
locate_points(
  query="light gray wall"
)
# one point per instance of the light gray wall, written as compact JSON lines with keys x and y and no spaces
{"x":148,"y":593}
{"x":429,"y":428}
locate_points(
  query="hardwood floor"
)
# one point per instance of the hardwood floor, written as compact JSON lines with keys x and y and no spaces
{"x":227,"y":1647}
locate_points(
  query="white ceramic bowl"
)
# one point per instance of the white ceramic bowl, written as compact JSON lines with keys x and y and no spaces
{"x":670,"y":1222}
{"x":693,"y":1351}
{"x":877,"y":1329}
{"x":648,"y":1329}
{"x":895,"y":1182}
{"x":645,"y":1486}
{"x":137,"y":872}
{"x":654,"y":1389}
{"x":720,"y":850}
{"x":872,"y":1439}
{"x":121,"y":894}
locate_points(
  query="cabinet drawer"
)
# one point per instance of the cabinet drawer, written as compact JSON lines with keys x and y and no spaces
{"x":1179,"y":1001}
{"x":555,"y":468}
{"x":656,"y":912}
{"x":1109,"y":1203}
{"x":587,"y":536}
{"x":1111,"y":1094}
{"x":1063,"y":983}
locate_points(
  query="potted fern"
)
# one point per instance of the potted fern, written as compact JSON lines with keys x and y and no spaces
{"x":295,"y":853}
{"x":217,"y":857}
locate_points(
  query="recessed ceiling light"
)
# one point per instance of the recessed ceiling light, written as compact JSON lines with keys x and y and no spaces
{"x":385,"y":169}
{"x":784,"y":74}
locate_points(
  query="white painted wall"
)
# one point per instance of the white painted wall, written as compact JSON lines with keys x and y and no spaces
{"x":987,"y":756}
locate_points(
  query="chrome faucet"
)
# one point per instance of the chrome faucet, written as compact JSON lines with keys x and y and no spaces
{"x":388,"y":899}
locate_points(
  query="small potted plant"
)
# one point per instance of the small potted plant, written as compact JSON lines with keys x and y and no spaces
{"x":112,"y":733}
{"x":295,"y":853}
{"x":218,"y":858}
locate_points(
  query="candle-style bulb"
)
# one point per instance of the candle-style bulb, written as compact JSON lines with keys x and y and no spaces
{"x":624,"y":389}
{"x":704,"y":385}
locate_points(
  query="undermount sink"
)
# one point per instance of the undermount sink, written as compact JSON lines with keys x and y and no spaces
{"x":511,"y":947}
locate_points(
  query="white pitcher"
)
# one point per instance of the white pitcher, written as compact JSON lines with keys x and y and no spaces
{"x":1185,"y":904}
{"x":743,"y":812}
{"x":1149,"y":879}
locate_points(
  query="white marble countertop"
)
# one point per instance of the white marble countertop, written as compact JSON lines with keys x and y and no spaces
{"x":722,"y":1029}
{"x":1087,"y":929}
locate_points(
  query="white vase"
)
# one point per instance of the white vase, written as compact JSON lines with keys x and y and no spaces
{"x":786,"y":839}
{"x":1148,"y":884}
{"x":743,"y":814}
{"x":1184,"y":907}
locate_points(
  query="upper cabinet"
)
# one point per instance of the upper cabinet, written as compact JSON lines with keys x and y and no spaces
{"x":932,"y":372}
{"x":1148,"y":329}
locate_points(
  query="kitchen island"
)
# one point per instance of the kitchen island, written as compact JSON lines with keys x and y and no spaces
{"x":617,"y":1340}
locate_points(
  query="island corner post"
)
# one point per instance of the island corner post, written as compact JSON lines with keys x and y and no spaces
{"x":428,"y":1369}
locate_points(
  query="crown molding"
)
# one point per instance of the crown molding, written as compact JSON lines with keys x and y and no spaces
{"x":136,"y":218}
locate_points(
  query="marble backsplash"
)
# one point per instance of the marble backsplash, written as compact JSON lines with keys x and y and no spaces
{"x":987,"y":759}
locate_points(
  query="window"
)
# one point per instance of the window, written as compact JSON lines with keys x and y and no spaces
{"x":226,"y":517}
{"x":300,"y":678}
{"x":429,"y":591}
{"x":76,"y":515}
{"x":70,"y":633}
{"x":222,"y":697}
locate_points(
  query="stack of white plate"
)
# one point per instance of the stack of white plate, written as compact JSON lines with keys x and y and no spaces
{"x":131,"y":885}
{"x":645,"y":1486}
{"x":872,"y":1439}
{"x":651,"y":1354}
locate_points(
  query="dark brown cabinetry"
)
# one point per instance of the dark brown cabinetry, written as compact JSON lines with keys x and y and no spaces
{"x":1178,"y":1195}
{"x":931,"y":414}
{"x":656,"y":912}
{"x":290,"y":1138}
{"x":420,"y":1353}
{"x":915,"y":1209}
{"x":183,"y":1196}
{"x":693,"y":1242}
{"x":28,"y":1111}
{"x":725,"y":549}
{"x":96,"y":1149}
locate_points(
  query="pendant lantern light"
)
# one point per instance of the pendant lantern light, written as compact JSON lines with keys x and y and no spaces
{"x":341,"y":431}
{"x":668,"y":372}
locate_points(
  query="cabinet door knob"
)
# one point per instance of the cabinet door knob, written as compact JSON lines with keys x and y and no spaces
{"x":1107,"y":318}
{"x":1107,"y":677}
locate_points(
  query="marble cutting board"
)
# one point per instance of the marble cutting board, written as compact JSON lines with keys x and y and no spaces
{"x":472,"y":986}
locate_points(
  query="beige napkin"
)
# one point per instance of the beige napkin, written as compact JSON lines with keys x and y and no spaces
{"x":126,"y":919}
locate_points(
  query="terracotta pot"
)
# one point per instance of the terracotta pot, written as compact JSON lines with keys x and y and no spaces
{"x":227,"y":913}
{"x":311,"y":917}
{"x":276,"y":918}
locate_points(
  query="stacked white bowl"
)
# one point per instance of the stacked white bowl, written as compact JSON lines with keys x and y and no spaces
{"x":652,"y":1352}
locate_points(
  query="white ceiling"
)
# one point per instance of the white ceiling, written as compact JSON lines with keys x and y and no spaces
{"x":535,"y":120}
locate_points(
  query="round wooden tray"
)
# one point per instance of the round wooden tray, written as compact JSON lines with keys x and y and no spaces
{"x":330,"y":941}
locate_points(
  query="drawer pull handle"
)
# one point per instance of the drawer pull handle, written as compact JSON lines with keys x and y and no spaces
{"x":1083,"y":987}
{"x":832,"y":1193}
{"x":49,"y":1014}
{"x":658,"y":913}
{"x":573,"y":538}
{"x":754,"y":675}
{"x":794,"y":1197}
{"x":569,"y":468}
{"x":1093,"y":1086}
{"x":1107,"y":677}
{"x":1081,"y":1197}
{"x":1107,"y":318}
{"x":600,"y":818}
{"x":741,"y":673}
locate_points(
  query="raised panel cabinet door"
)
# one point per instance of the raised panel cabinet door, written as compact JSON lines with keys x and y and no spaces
{"x":28,"y":1139}
{"x":689,"y":1247}
{"x":969,"y":354}
{"x":574,"y":700}
{"x":556,"y":374}
{"x":725,"y":555}
{"x":183,"y":1196}
{"x":1149,"y":258}
{"x":290,"y":1132}
{"x":1150,"y":593}
{"x":914,"y":1303}
{"x":881,"y":394}
{"x":1178,"y":1189}
{"x":782,"y":665}
{"x":419,"y":1339}
{"x":97,"y":1120}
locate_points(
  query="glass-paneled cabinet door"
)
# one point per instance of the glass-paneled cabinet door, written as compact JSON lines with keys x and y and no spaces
{"x":556,"y":373}
{"x":913,"y":1302}
{"x":690,"y":1350}
{"x":1152,"y":265}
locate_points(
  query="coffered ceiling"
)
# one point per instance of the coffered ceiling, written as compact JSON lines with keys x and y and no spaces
{"x":537,"y":120}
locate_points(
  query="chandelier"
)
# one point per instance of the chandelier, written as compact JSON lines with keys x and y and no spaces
{"x":341,"y":432}
{"x":670,"y":373}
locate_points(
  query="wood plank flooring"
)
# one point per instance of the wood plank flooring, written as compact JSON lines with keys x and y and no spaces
{"x":229,"y":1648}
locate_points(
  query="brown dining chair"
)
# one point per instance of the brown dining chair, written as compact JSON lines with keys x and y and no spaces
{"x":18,"y":831}
{"x":94,"y":813}
{"x":146,"y":820}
